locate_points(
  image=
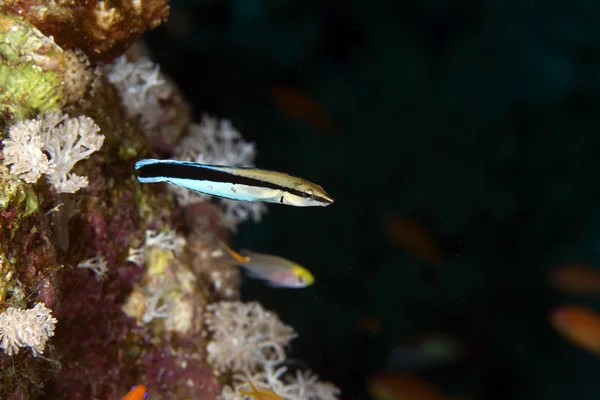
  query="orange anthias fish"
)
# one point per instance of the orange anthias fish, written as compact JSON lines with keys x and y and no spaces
{"x":578,"y":324}
{"x":369,"y":324}
{"x":138,"y":392}
{"x":401,"y":386}
{"x":261,"y":394}
{"x":297,"y":104}
{"x":579,"y":279}
{"x":413,"y":237}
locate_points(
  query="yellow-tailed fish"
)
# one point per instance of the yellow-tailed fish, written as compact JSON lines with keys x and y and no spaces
{"x":236,"y":183}
{"x":260,"y":394}
{"x":277,"y":271}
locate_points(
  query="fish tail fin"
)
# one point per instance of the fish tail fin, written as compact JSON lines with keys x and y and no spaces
{"x":253,"y":393}
{"x":236,"y":256}
{"x":147,"y":161}
{"x":145,"y":169}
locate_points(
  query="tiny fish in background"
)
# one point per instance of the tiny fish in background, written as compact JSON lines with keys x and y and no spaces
{"x":413,"y":237}
{"x":299,"y":105}
{"x":369,"y":324}
{"x":277,"y":271}
{"x":578,"y":279}
{"x":138,"y":392}
{"x":401,"y":386}
{"x":236,"y":183}
{"x":578,"y":324}
{"x":426,"y":351}
{"x":260,"y":394}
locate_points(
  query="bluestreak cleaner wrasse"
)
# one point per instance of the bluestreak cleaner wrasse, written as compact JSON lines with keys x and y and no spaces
{"x":277,"y":271}
{"x":236,"y":183}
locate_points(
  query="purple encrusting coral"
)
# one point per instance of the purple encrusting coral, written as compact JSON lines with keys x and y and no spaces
{"x":181,"y":374}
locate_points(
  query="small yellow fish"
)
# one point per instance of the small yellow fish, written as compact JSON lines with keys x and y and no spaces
{"x":277,"y":271}
{"x":261,"y":394}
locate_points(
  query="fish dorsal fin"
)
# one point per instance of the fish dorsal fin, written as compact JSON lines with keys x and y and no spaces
{"x":235,"y":255}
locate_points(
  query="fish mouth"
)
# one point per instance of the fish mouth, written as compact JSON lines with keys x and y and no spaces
{"x":327,"y":200}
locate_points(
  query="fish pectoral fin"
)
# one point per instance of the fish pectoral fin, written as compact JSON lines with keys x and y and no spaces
{"x":275,"y":285}
{"x":253,"y":275}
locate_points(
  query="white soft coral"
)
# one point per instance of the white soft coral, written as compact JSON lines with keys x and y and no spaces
{"x":141,"y":87}
{"x":299,"y":386}
{"x":66,"y":140}
{"x":69,"y":142}
{"x":245,"y":335}
{"x":23,"y":151}
{"x":26,"y":328}
{"x":168,"y":240}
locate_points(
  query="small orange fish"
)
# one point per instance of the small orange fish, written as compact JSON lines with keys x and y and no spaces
{"x":297,"y":104}
{"x":413,"y":237}
{"x":138,"y":392}
{"x":576,"y":279}
{"x":401,"y":386}
{"x":578,"y":324}
{"x":369,"y":324}
{"x":261,"y":394}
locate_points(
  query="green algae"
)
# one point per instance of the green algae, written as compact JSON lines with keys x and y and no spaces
{"x":30,"y":65}
{"x":29,"y":91}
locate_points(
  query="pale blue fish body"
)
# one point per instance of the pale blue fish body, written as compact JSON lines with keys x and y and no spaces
{"x":236,"y":183}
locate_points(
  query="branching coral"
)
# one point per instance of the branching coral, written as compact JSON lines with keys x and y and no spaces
{"x":97,"y":265}
{"x":150,"y":98}
{"x":26,"y":328}
{"x":299,"y":386}
{"x":66,"y":140}
{"x":245,"y":336}
{"x":168,"y":240}
{"x":141,"y":87}
{"x":250,"y":341}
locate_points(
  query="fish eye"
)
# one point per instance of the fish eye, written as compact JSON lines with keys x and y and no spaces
{"x":309,"y":194}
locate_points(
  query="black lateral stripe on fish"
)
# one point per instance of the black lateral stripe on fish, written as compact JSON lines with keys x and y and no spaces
{"x":213,"y":173}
